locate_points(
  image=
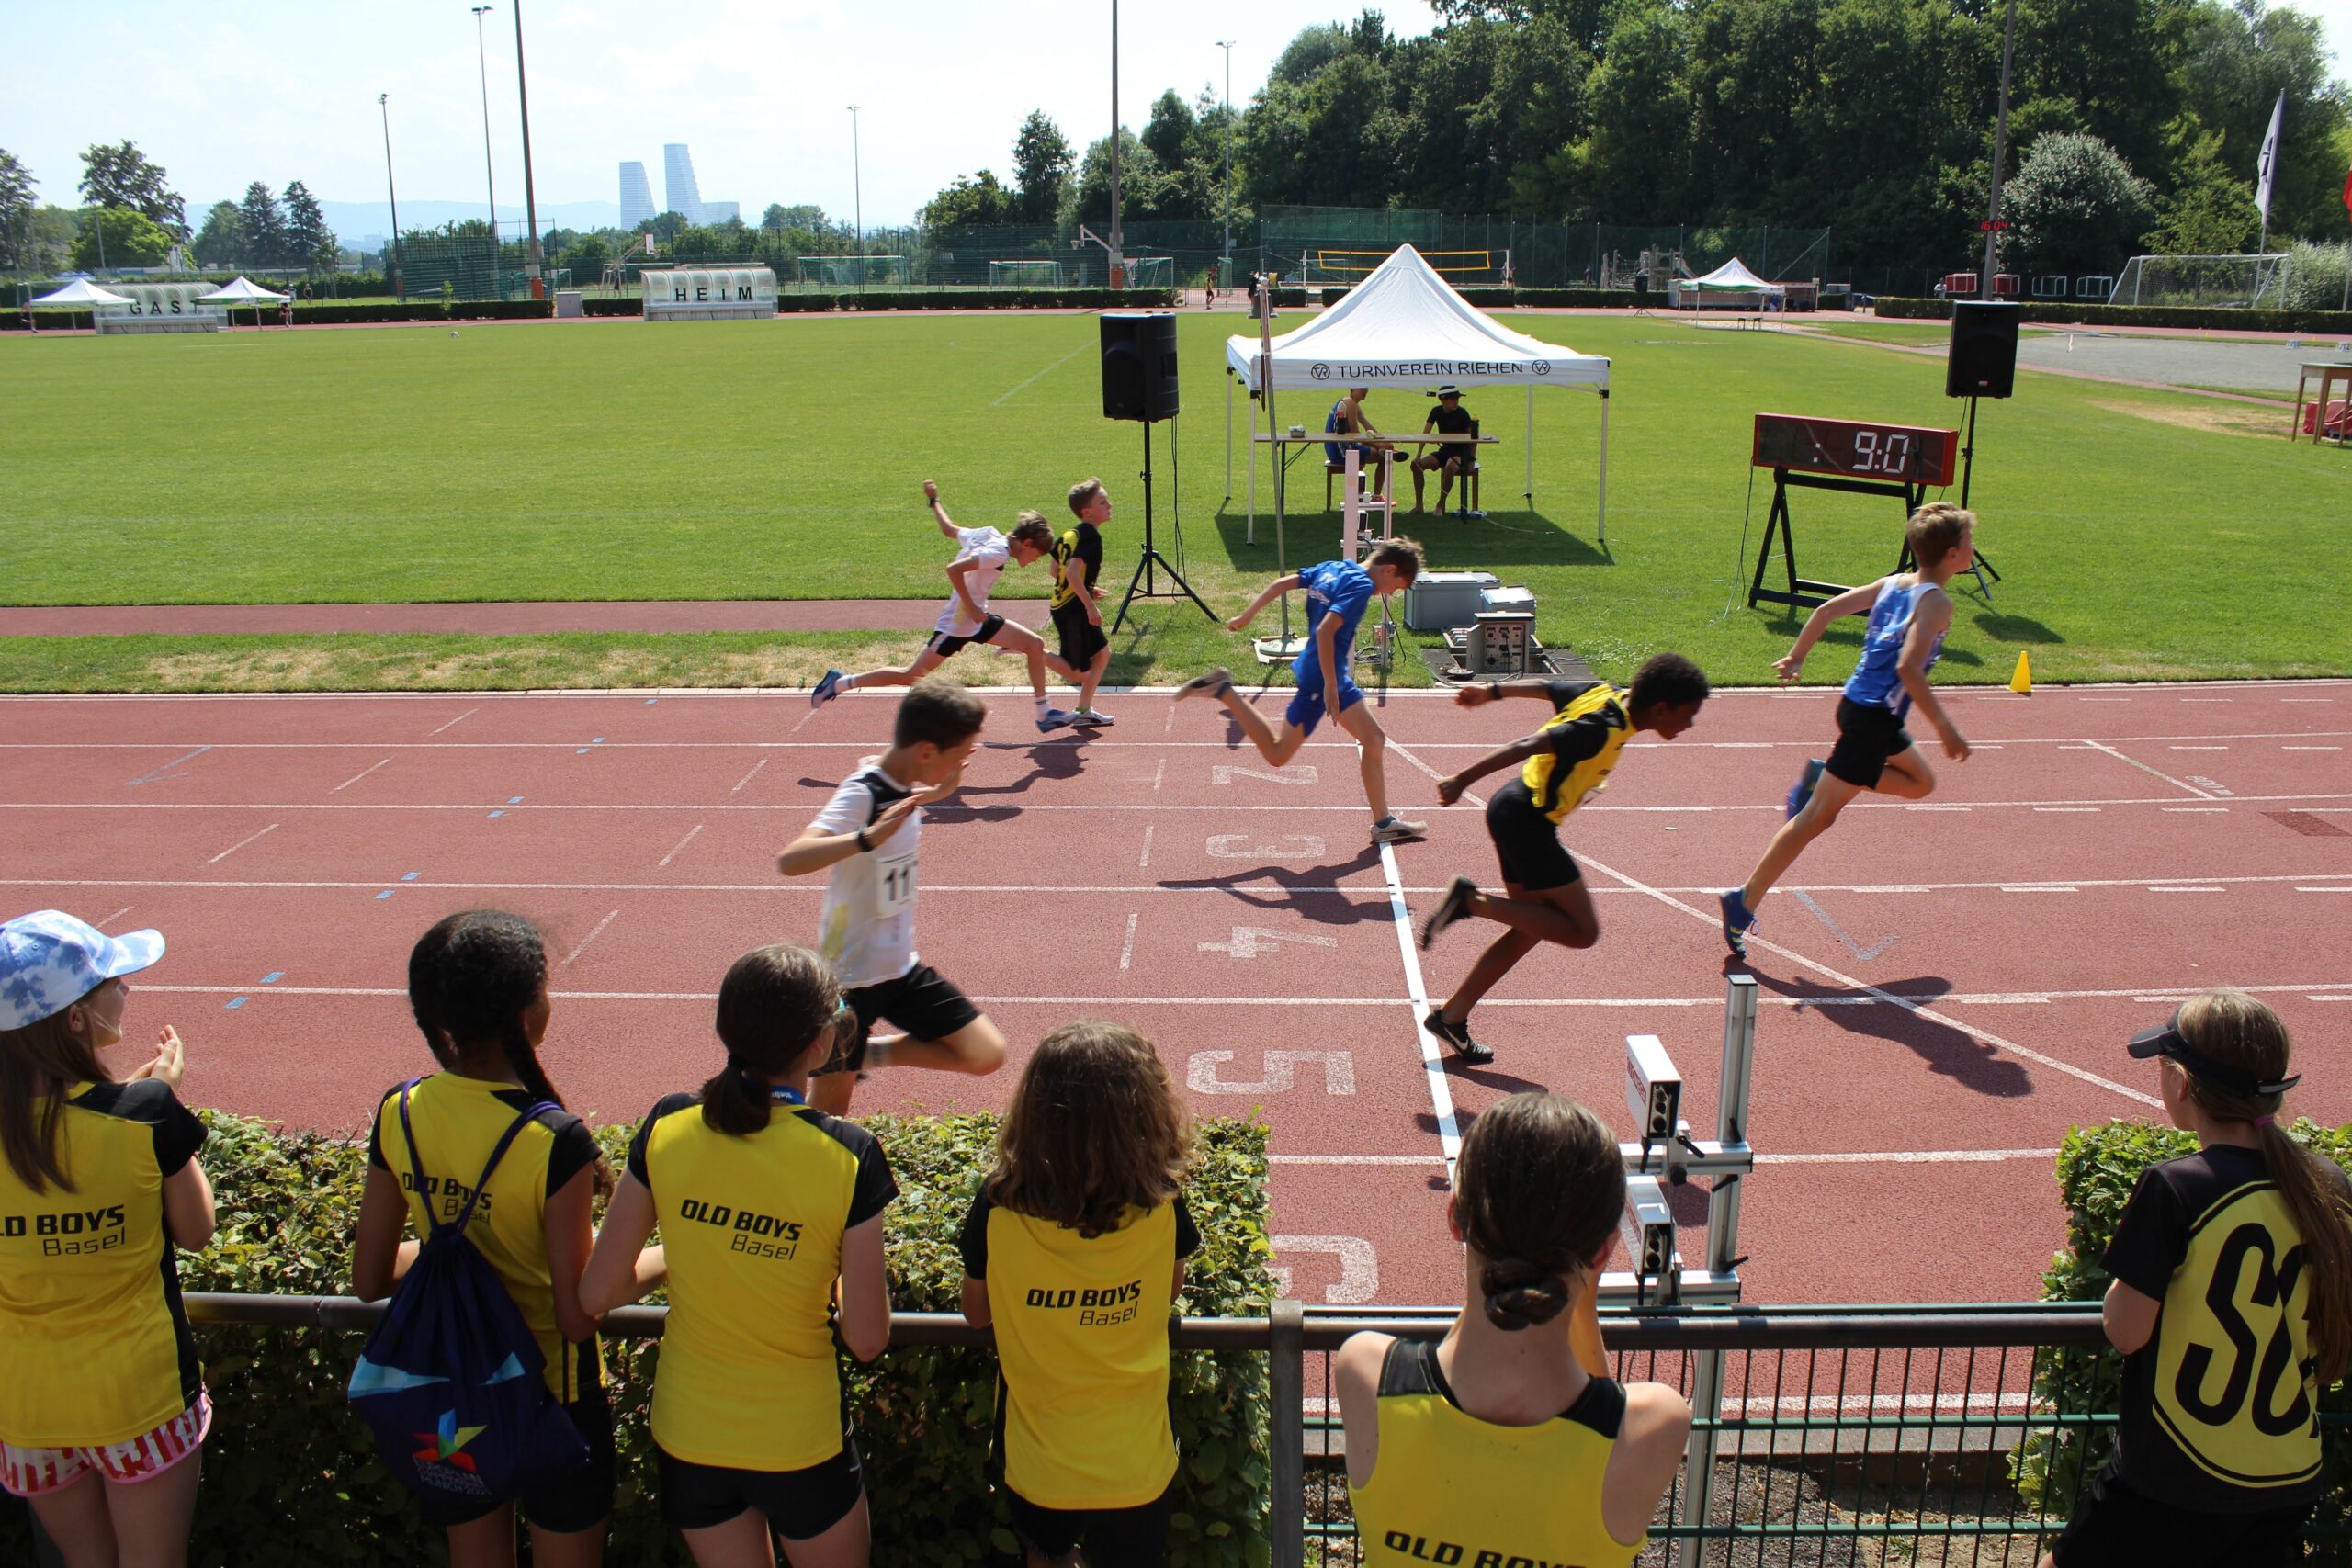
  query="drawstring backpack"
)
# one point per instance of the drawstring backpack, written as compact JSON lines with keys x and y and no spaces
{"x":451,"y":1379}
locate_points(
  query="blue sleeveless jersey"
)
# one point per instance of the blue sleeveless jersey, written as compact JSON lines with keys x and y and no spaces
{"x":1875,"y":682}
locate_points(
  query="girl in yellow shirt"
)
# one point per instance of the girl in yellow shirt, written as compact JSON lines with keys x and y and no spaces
{"x":1495,"y":1444}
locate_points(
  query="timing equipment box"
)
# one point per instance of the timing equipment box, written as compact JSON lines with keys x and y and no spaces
{"x":1520,"y":601}
{"x":1439,"y":601}
{"x":1500,"y":642}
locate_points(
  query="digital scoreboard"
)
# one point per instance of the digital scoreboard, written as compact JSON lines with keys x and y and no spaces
{"x":1857,"y":449}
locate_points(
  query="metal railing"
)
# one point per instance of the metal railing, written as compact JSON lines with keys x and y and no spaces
{"x":1838,"y":1434}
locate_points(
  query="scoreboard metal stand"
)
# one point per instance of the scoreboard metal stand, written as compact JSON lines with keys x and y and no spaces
{"x":1897,"y":460}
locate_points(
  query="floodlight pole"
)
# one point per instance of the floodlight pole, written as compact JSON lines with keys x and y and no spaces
{"x":383,"y":105}
{"x":2000,"y":149}
{"x":490,"y":171}
{"x":857,"y":197}
{"x":1117,"y":239}
{"x":1226,"y":45}
{"x":531,"y":202}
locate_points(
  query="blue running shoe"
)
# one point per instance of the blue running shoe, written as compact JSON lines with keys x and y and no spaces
{"x":1802,"y":791}
{"x":827,"y":688}
{"x":1053,"y":720}
{"x":1737,"y":921}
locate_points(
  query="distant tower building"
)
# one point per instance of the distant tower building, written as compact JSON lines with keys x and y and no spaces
{"x":717,"y":212}
{"x":637,"y":196}
{"x":678,"y":182}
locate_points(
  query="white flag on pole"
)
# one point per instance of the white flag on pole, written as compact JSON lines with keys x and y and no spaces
{"x":2268,"y":168}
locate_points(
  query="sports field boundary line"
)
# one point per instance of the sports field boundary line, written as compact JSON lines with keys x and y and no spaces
{"x":1449,"y":1129}
{"x":1930,"y":1013}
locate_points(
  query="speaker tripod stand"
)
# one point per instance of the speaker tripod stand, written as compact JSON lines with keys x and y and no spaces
{"x":1144,"y":584}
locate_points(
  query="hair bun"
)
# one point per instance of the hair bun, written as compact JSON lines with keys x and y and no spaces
{"x":1518,"y":1296}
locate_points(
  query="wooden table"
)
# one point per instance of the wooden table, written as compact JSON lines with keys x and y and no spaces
{"x":2329,"y":371}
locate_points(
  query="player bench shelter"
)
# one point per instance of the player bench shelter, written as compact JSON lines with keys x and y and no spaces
{"x":1403,"y":326}
{"x":709,"y":293}
{"x":161,"y":308}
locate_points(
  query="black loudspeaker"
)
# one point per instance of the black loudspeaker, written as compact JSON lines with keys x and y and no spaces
{"x":1139,"y":365}
{"x":1984,"y":358}
{"x":1641,"y":288}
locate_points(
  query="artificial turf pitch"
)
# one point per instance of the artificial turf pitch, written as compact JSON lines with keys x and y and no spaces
{"x":2144,"y":534}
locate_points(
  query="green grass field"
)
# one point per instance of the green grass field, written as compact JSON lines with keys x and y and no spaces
{"x":2144,"y":534}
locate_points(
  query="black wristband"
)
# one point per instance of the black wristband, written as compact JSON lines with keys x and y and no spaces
{"x":862,"y":844}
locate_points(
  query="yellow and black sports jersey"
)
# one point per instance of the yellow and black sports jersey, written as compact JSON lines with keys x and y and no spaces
{"x":1589,"y":724}
{"x":1447,"y":1487}
{"x":752,"y":1226}
{"x":1078,"y":561}
{"x":457,"y":1121}
{"x":2220,"y":1409}
{"x":1081,"y":1340}
{"x":98,"y":1349}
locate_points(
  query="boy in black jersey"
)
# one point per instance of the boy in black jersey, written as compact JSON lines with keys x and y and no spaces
{"x":1077,"y":611}
{"x":1455,"y":459}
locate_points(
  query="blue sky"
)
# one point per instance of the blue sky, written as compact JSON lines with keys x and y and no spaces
{"x":758,"y":89}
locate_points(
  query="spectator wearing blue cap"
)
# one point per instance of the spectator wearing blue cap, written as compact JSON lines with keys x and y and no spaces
{"x":102,"y":1407}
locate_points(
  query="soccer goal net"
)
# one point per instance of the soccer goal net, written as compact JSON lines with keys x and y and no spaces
{"x":1028,"y":272}
{"x":1352,"y":267}
{"x":2247,"y":280}
{"x":1151,"y":272}
{"x":853,"y":272}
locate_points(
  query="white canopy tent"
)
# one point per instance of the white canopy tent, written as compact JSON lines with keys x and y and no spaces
{"x":82,"y":291}
{"x":1732,"y":278}
{"x":1405,"y":326}
{"x":243,"y":290}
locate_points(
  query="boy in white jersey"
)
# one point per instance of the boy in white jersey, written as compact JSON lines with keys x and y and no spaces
{"x":867,"y":835}
{"x":980,"y":555}
{"x":1909,"y":614}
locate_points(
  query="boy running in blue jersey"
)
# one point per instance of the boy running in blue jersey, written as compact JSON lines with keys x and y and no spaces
{"x":1909,"y":614}
{"x":1337,"y":593}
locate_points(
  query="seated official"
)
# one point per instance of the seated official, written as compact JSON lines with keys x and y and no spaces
{"x":1452,"y":460}
{"x":1347,"y":418}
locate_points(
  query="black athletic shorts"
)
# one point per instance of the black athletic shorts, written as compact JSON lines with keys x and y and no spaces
{"x":921,"y":1002}
{"x":577,"y":1500}
{"x":2114,"y":1524}
{"x":948,"y":646}
{"x":799,"y":1504}
{"x":1866,"y":736}
{"x":1081,"y":638}
{"x":1527,"y":842}
{"x":1131,"y":1537}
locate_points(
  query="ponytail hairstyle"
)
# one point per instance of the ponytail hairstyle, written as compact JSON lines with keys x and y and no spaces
{"x":1094,"y":1131}
{"x":471,"y":980}
{"x":772,"y":1005}
{"x":2235,"y":1030}
{"x":37,"y":1064}
{"x":1537,"y":1194}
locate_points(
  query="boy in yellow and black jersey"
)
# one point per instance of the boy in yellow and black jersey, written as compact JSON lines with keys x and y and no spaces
{"x":1559,"y":764}
{"x":1074,"y":607}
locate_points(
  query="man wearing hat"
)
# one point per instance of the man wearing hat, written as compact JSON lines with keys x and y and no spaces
{"x":1452,"y":459}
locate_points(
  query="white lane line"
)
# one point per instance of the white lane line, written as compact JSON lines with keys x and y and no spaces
{"x":2195,"y":747}
{"x":115,"y":915}
{"x":239,"y":844}
{"x":356,"y":777}
{"x":2151,"y":773}
{"x":689,"y":838}
{"x":1355,"y":1159}
{"x":1041,"y":374}
{"x":2198,"y":810}
{"x":1158,"y":774}
{"x":1127,"y":948}
{"x":2090,"y":808}
{"x":1911,"y":1157}
{"x":591,"y":936}
{"x":747,"y":778}
{"x":1143,"y":863}
{"x":2311,"y":990}
{"x":2038,"y":889}
{"x":459,"y":719}
{"x":2189,"y":890}
{"x":2310,"y":747}
{"x":1449,"y":1131}
{"x":1932,"y":1014}
{"x":2347,"y":889}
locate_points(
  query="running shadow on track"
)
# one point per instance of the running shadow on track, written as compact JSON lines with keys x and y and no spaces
{"x":1289,"y":892}
{"x":1950,"y":1052}
{"x":1047,"y":760}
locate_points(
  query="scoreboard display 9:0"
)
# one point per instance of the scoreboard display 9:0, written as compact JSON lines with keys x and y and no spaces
{"x":1858,"y":449}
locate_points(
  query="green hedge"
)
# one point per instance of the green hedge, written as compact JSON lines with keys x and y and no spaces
{"x":2183,"y":318}
{"x":2097,"y":1168}
{"x":289,"y":1476}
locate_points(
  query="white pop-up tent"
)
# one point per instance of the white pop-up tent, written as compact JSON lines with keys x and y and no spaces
{"x":243,"y":290}
{"x":1405,"y":326}
{"x":1731,"y":278}
{"x":82,"y":291}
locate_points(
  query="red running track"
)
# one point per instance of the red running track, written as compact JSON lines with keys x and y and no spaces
{"x":1946,"y":999}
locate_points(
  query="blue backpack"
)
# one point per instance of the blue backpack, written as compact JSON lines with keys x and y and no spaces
{"x":451,"y":1379}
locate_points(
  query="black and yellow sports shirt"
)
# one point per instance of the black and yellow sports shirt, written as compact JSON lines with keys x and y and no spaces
{"x":1078,"y":561}
{"x":752,"y":1226}
{"x":1447,"y":1487}
{"x":1081,"y":1341}
{"x":1589,"y":724}
{"x":2220,"y":1408}
{"x":98,"y":1348}
{"x":457,"y":1121}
